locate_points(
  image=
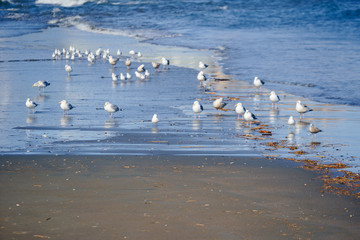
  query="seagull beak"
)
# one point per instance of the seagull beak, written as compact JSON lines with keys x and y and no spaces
{"x":60,"y":102}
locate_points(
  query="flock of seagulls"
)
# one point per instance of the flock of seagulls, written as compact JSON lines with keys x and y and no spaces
{"x":73,"y":53}
{"x":249,"y":117}
{"x":142,"y":73}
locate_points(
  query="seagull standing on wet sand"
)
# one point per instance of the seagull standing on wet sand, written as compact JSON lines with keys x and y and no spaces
{"x":274,"y":98}
{"x":31,"y":105}
{"x":291,"y":121}
{"x":258,"y":83}
{"x":197,"y":108}
{"x":111,"y":108}
{"x":41,"y":84}
{"x":155,"y":65}
{"x":314,"y":129}
{"x":301,"y":108}
{"x":249,"y":117}
{"x":128,"y":63}
{"x":64,"y":105}
{"x":201,"y":77}
{"x":113,"y":60}
{"x":219,"y":104}
{"x":155,"y":119}
{"x":165,"y":62}
{"x":68,"y":69}
{"x":141,"y":68}
{"x":202,"y":65}
{"x":240,"y":110}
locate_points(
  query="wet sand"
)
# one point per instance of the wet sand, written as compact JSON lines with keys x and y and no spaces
{"x":168,"y":197}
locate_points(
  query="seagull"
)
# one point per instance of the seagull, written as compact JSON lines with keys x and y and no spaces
{"x":118,"y":53}
{"x":122,"y":77}
{"x":219,"y":104}
{"x":147,"y":74}
{"x":197,"y":108}
{"x":165,"y":62}
{"x":91,"y":58}
{"x":41,"y":84}
{"x":30,"y":104}
{"x":274,"y":98}
{"x":112,"y":60}
{"x":128,"y":63}
{"x":139,"y":54}
{"x":258,"y":83}
{"x":114,"y":77}
{"x":141,"y":68}
{"x":201,"y":77}
{"x":314,"y":129}
{"x":65,"y":106}
{"x":301,"y":108}
{"x":139,"y":75}
{"x":291,"y":120}
{"x":132,"y":52}
{"x":202,"y":65}
{"x":239,"y":109}
{"x":155,"y":119}
{"x":249,"y":117}
{"x":155,"y":65}
{"x":111,"y":108}
{"x":128,"y":76}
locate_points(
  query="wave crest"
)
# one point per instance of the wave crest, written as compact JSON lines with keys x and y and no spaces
{"x":64,"y":3}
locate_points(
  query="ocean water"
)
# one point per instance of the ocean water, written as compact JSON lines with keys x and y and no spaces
{"x":307,"y":48}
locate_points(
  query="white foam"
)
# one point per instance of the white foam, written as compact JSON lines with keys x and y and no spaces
{"x":64,"y":3}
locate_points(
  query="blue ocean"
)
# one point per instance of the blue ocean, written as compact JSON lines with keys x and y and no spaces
{"x":306,"y":48}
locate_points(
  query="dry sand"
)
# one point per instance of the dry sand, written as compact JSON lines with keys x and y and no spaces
{"x":167,"y":197}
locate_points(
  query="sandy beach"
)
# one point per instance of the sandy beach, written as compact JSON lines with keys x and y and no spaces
{"x":88,"y":176}
{"x":168,"y":197}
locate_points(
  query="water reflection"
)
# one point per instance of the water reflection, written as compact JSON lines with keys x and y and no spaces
{"x":239,"y":124}
{"x":41,"y":97}
{"x":247,"y":130}
{"x":154,"y":130}
{"x":31,"y":119}
{"x":291,"y":136}
{"x":300,"y":125}
{"x":65,"y":120}
{"x":196,"y":124}
{"x":111,"y":123}
{"x":274,"y":112}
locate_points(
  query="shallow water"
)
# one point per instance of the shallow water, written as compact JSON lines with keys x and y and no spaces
{"x":88,"y":129}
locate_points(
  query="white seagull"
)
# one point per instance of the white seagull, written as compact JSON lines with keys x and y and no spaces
{"x":219,"y":104}
{"x":202,"y":65}
{"x":128,"y":76}
{"x":41,"y":84}
{"x":301,"y":108}
{"x":155,"y":119}
{"x":201,"y":77}
{"x":128,"y":63}
{"x":64,"y":105}
{"x":291,"y":120}
{"x":141,"y":68}
{"x":122,"y":77}
{"x":249,"y":117}
{"x":240,"y":109}
{"x":31,"y":104}
{"x":114,"y":77}
{"x":197,"y":108}
{"x":274,"y":98}
{"x":113,"y":60}
{"x":258,"y":83}
{"x":165,"y":62}
{"x":155,"y":65}
{"x":111,"y":108}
